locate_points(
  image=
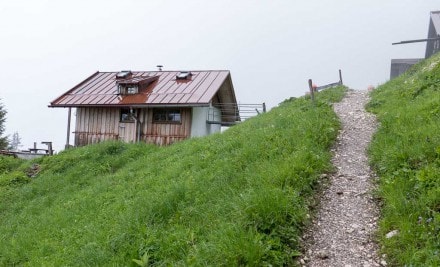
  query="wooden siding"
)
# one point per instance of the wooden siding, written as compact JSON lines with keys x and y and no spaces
{"x":94,"y":125}
{"x":165,"y":133}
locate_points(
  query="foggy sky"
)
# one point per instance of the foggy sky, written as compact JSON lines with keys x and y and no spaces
{"x":271,"y":47}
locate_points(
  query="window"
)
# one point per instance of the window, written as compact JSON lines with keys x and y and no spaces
{"x":132,"y":90}
{"x":128,"y":115}
{"x":183,"y":75}
{"x":127,"y":89}
{"x":166,"y":115}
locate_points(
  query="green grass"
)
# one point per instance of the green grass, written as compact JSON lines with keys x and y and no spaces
{"x":236,"y":198}
{"x":406,"y":154}
{"x":13,"y":174}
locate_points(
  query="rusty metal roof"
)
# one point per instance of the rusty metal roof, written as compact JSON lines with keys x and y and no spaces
{"x":137,"y":80}
{"x":100,"y":89}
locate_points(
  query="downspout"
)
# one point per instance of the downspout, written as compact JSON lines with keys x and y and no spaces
{"x":137,"y":133}
{"x":135,"y":128}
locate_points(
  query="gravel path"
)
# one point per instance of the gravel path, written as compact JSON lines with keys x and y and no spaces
{"x":342,"y":231}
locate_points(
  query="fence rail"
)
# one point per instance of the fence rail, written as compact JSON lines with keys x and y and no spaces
{"x":313,"y":88}
{"x":330,"y":85}
{"x":228,"y":114}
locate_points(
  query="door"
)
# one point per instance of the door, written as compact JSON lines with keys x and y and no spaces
{"x":127,"y":125}
{"x":127,"y":131}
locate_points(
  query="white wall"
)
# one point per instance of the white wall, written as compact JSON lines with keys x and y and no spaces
{"x":199,"y":127}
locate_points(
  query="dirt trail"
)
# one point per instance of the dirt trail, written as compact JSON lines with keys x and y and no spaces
{"x":342,"y":231}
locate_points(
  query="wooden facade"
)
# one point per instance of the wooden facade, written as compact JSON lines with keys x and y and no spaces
{"x":159,"y":107}
{"x":165,"y":133}
{"x":94,"y":125}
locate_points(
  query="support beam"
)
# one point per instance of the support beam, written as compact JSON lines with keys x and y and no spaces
{"x":69,"y":116}
{"x":417,"y":41}
{"x":49,"y":147}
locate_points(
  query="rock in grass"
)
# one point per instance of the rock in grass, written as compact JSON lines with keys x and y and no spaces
{"x":391,"y":234}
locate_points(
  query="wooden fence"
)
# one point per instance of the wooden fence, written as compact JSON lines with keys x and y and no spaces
{"x":314,"y":88}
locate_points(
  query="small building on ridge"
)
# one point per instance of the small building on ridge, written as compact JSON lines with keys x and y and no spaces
{"x":433,"y":46}
{"x":399,"y":66}
{"x":159,"y":107}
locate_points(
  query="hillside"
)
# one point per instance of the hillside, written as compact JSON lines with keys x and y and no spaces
{"x":406,"y":155}
{"x":236,"y":198}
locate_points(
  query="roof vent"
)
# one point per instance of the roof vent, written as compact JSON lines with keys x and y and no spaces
{"x":183,"y":75}
{"x":123,"y":74}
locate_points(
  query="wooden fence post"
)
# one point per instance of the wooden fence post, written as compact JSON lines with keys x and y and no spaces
{"x":340,"y":78}
{"x":312,"y":90}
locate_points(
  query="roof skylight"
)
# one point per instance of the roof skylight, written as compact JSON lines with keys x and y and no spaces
{"x":123,"y":74}
{"x":183,"y":75}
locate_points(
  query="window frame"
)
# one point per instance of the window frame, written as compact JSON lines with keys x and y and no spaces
{"x":166,"y":114}
{"x":128,"y":89}
{"x":128,"y":113}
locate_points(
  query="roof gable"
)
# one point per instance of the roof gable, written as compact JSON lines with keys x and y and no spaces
{"x":162,"y":88}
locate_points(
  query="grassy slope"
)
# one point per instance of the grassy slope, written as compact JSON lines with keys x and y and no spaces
{"x":237,"y":198}
{"x":406,"y":154}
